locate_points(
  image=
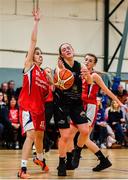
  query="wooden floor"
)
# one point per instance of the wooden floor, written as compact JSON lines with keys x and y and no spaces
{"x":10,"y":163}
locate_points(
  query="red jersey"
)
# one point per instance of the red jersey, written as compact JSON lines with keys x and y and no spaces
{"x":49,"y":97}
{"x":89,"y":92}
{"x":14,"y":115}
{"x":34,"y":90}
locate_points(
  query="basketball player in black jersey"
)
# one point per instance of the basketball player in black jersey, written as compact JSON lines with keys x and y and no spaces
{"x":69,"y":106}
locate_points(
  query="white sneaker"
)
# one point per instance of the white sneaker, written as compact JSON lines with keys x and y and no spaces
{"x":17,"y":145}
{"x":103,"y":146}
{"x":113,"y":140}
{"x":109,"y":144}
{"x":110,"y":141}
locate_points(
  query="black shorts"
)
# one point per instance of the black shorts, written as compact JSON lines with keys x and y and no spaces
{"x":63,"y":115}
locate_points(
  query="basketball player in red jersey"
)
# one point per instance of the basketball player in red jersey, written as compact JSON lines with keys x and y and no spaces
{"x":89,"y":94}
{"x":31,"y":103}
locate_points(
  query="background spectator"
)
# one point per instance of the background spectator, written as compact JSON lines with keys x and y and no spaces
{"x":11,"y":89}
{"x":8,"y":135}
{"x":121,"y":93}
{"x":114,"y":115}
{"x":4,"y":87}
{"x":14,"y":119}
{"x":100,"y":131}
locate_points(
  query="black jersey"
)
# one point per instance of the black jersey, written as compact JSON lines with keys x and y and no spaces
{"x":73,"y":94}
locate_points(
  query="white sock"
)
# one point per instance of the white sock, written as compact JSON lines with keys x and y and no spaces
{"x":24,"y":163}
{"x":40,"y":156}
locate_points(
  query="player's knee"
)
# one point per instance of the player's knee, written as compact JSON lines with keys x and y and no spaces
{"x":65,"y":138}
{"x":31,"y":135}
{"x":84,"y":132}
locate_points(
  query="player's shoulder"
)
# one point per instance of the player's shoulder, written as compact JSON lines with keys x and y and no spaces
{"x":77,"y":63}
{"x":96,"y":73}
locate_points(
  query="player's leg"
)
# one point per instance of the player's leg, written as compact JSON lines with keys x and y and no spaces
{"x":91,"y":112}
{"x":39,"y":122}
{"x":28,"y":128}
{"x":104,"y":162}
{"x":62,"y":146}
{"x":84,"y":131}
{"x":30,"y":135}
{"x":70,"y":147}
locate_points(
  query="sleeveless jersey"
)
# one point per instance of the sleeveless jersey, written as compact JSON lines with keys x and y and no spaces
{"x":89,"y":92}
{"x":72,"y":94}
{"x":34,"y":90}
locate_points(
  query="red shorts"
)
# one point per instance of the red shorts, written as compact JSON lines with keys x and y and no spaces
{"x":30,"y":120}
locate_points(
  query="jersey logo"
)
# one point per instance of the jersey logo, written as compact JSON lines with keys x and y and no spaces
{"x":61,"y":122}
{"x":37,"y":73}
{"x":83,"y":114}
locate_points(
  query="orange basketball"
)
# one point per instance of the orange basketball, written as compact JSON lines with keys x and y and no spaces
{"x":63,"y":79}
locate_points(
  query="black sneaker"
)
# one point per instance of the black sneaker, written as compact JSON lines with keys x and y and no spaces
{"x":103,"y":165}
{"x":69,"y":161}
{"x":62,"y":170}
{"x":76,"y":158}
{"x":69,"y":166}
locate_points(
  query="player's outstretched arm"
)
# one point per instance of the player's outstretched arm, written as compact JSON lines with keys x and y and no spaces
{"x":29,"y":57}
{"x":102,"y":85}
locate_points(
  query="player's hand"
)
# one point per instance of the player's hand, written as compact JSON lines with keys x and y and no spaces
{"x":85,"y":74}
{"x":60,"y":64}
{"x":84,"y":71}
{"x":36,"y":14}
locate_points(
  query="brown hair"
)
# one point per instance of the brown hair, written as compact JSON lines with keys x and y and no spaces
{"x":61,"y":47}
{"x":93,"y":55}
{"x":36,"y":48}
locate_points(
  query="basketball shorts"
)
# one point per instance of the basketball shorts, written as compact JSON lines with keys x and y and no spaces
{"x":64,"y":114}
{"x":30,"y":120}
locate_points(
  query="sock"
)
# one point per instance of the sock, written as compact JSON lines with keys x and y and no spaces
{"x":100,"y":155}
{"x":61,"y":160}
{"x":79,"y":149}
{"x":69,"y":156}
{"x":40,"y":156}
{"x":24,"y":163}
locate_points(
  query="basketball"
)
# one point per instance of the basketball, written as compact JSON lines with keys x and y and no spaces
{"x":63,"y":79}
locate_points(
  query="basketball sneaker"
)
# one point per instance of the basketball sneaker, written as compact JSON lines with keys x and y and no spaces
{"x":69,"y":166}
{"x":62,"y":169}
{"x":42,"y":164}
{"x":69,"y":161}
{"x":22,"y":173}
{"x":76,"y":158}
{"x":103,"y":165}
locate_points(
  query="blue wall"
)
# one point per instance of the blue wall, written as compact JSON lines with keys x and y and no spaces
{"x":7,"y":74}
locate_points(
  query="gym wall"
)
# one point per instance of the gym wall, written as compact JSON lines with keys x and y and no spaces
{"x":79,"y":22}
